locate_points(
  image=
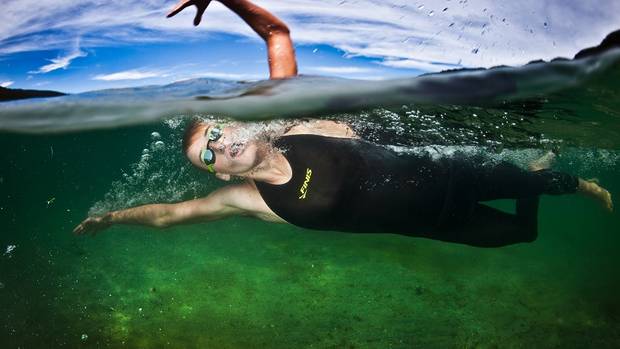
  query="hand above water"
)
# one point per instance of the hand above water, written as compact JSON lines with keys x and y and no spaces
{"x":92,"y":225}
{"x":201,"y":6}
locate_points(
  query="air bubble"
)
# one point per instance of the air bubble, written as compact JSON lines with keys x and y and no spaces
{"x":159,"y":145}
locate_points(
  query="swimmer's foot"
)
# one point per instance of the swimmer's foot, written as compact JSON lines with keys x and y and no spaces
{"x":543,"y":163}
{"x":596,"y":192}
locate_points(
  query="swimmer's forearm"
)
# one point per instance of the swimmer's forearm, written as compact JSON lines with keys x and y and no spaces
{"x":154,"y":215}
{"x":282,"y":62}
{"x":214,"y":206}
{"x":262,"y":21}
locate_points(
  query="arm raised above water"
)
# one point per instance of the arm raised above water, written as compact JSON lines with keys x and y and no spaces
{"x":281,"y":54}
{"x":239,"y":199}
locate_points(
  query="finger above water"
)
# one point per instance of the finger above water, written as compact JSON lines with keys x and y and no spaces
{"x":201,"y":10}
{"x":199,"y":14}
{"x":183,"y":4}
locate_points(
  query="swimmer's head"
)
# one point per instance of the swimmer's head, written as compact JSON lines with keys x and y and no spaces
{"x":221,"y":149}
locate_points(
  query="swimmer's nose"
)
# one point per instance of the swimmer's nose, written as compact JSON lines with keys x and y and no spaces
{"x":217,"y":146}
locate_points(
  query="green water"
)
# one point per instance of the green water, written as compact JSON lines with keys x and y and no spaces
{"x":241,"y":283}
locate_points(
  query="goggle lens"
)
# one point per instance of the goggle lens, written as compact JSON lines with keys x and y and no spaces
{"x":214,"y":133}
{"x":207,"y":156}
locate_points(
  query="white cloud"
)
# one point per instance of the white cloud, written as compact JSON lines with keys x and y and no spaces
{"x":400,"y":32}
{"x":6,"y":83}
{"x":60,"y":62}
{"x":129,"y":75}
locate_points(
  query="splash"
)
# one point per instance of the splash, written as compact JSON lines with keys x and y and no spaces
{"x":160,"y":174}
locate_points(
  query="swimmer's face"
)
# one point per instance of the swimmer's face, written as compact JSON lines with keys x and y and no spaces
{"x":234,"y":154}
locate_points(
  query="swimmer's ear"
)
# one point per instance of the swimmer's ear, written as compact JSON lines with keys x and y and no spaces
{"x":224,"y":177}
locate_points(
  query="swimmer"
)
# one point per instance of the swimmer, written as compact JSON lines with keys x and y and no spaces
{"x":321,"y":175}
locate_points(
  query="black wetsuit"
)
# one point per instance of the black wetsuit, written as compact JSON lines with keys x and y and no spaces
{"x":355,"y":186}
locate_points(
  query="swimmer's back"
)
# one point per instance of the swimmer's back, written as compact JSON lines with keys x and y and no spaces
{"x":355,"y":186}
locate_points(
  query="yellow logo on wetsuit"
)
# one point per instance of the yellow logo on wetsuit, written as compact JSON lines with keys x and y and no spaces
{"x":304,"y":187}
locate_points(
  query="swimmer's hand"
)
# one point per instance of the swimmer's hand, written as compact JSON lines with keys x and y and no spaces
{"x":93,"y":225}
{"x":201,"y":7}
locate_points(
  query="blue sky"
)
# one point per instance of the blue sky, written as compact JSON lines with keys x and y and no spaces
{"x":76,"y":46}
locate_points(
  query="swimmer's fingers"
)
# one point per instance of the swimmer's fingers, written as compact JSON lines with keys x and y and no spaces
{"x":182,"y":5}
{"x":82,"y":228}
{"x":91,"y":225}
{"x":201,"y":7}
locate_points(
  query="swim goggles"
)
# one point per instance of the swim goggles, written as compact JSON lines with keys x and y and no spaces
{"x":207,"y":156}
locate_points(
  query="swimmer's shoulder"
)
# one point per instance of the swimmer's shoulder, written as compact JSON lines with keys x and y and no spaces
{"x":327,"y":128}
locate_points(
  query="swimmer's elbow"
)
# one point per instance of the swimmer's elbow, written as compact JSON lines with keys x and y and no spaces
{"x":273,"y":30}
{"x":161,"y":223}
{"x":169,"y":215}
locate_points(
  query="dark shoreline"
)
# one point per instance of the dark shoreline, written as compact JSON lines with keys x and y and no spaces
{"x":7,"y":94}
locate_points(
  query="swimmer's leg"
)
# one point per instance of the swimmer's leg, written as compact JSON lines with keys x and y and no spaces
{"x":507,"y":181}
{"x":489,"y":227}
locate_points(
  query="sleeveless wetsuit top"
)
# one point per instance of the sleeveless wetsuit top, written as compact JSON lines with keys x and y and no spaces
{"x":355,"y":186}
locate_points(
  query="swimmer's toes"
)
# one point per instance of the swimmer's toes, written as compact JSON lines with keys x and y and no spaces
{"x":598,"y":193}
{"x":609,"y":202}
{"x":605,"y":197}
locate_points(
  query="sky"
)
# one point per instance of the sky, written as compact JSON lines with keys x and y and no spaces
{"x":76,"y":46}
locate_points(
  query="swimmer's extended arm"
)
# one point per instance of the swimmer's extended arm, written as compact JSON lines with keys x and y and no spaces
{"x":281,"y":54}
{"x":224,"y":202}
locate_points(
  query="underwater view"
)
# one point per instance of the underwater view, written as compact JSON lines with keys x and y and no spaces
{"x":143,"y":182}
